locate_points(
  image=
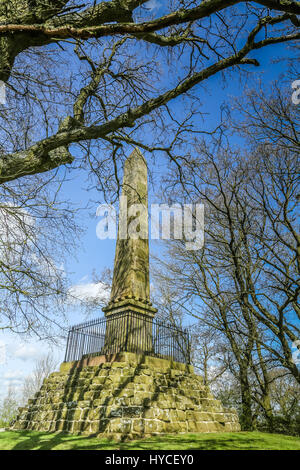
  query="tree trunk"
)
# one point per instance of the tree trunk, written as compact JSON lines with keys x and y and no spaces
{"x":246,"y":419}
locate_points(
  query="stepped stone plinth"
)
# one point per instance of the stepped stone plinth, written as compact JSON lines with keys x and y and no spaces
{"x":132,"y":396}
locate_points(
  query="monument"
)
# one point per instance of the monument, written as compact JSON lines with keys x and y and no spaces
{"x":130,"y":287}
{"x":127,"y":375}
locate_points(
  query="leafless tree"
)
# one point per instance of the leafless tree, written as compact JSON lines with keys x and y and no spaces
{"x":32,"y":384}
{"x":38,"y":232}
{"x":102,"y":75}
{"x":86,"y":80}
{"x":285,"y":395}
{"x":247,"y":275}
{"x":9,"y":408}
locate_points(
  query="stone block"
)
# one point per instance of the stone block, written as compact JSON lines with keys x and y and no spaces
{"x":119,"y":425}
{"x":99,"y":380}
{"x":59,"y":426}
{"x":74,"y":414}
{"x":132,"y":411}
{"x":151,"y":426}
{"x":84,"y":425}
{"x":114,"y":412}
{"x":138,"y":426}
{"x":151,"y":413}
{"x":201,"y":427}
{"x":126,"y":392}
{"x":122,"y":401}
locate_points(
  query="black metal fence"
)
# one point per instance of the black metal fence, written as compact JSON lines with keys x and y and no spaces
{"x":128,"y":332}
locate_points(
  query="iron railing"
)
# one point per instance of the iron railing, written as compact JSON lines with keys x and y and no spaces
{"x":128,"y":332}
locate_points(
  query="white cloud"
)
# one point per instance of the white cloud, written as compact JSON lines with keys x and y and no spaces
{"x":26,"y":352}
{"x":152,"y":5}
{"x":14,"y":375}
{"x":15,"y":385}
{"x":21,"y":358}
{"x":89,"y":292}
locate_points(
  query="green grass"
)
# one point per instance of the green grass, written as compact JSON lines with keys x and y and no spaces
{"x":29,"y":440}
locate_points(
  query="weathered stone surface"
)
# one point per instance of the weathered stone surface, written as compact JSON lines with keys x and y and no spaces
{"x":131,"y":267}
{"x":130,"y":287}
{"x":152,"y":401}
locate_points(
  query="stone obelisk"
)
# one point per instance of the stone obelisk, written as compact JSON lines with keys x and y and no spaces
{"x":129,"y":306}
{"x":131,"y":395}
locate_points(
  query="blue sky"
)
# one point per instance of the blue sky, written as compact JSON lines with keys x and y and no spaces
{"x":17,"y":356}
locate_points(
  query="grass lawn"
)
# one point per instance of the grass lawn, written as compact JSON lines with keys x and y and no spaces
{"x":26,"y":440}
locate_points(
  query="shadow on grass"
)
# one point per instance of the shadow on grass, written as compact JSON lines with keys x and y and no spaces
{"x":45,"y":441}
{"x":26,"y":440}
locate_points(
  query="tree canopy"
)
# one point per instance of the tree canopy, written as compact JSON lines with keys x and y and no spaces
{"x":105,"y":73}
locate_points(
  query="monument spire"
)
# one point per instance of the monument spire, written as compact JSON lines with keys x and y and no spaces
{"x":130,"y":287}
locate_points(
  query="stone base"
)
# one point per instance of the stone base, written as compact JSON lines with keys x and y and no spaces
{"x":130,"y":397}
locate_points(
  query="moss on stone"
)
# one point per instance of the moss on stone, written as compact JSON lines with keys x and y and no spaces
{"x":139,"y":397}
